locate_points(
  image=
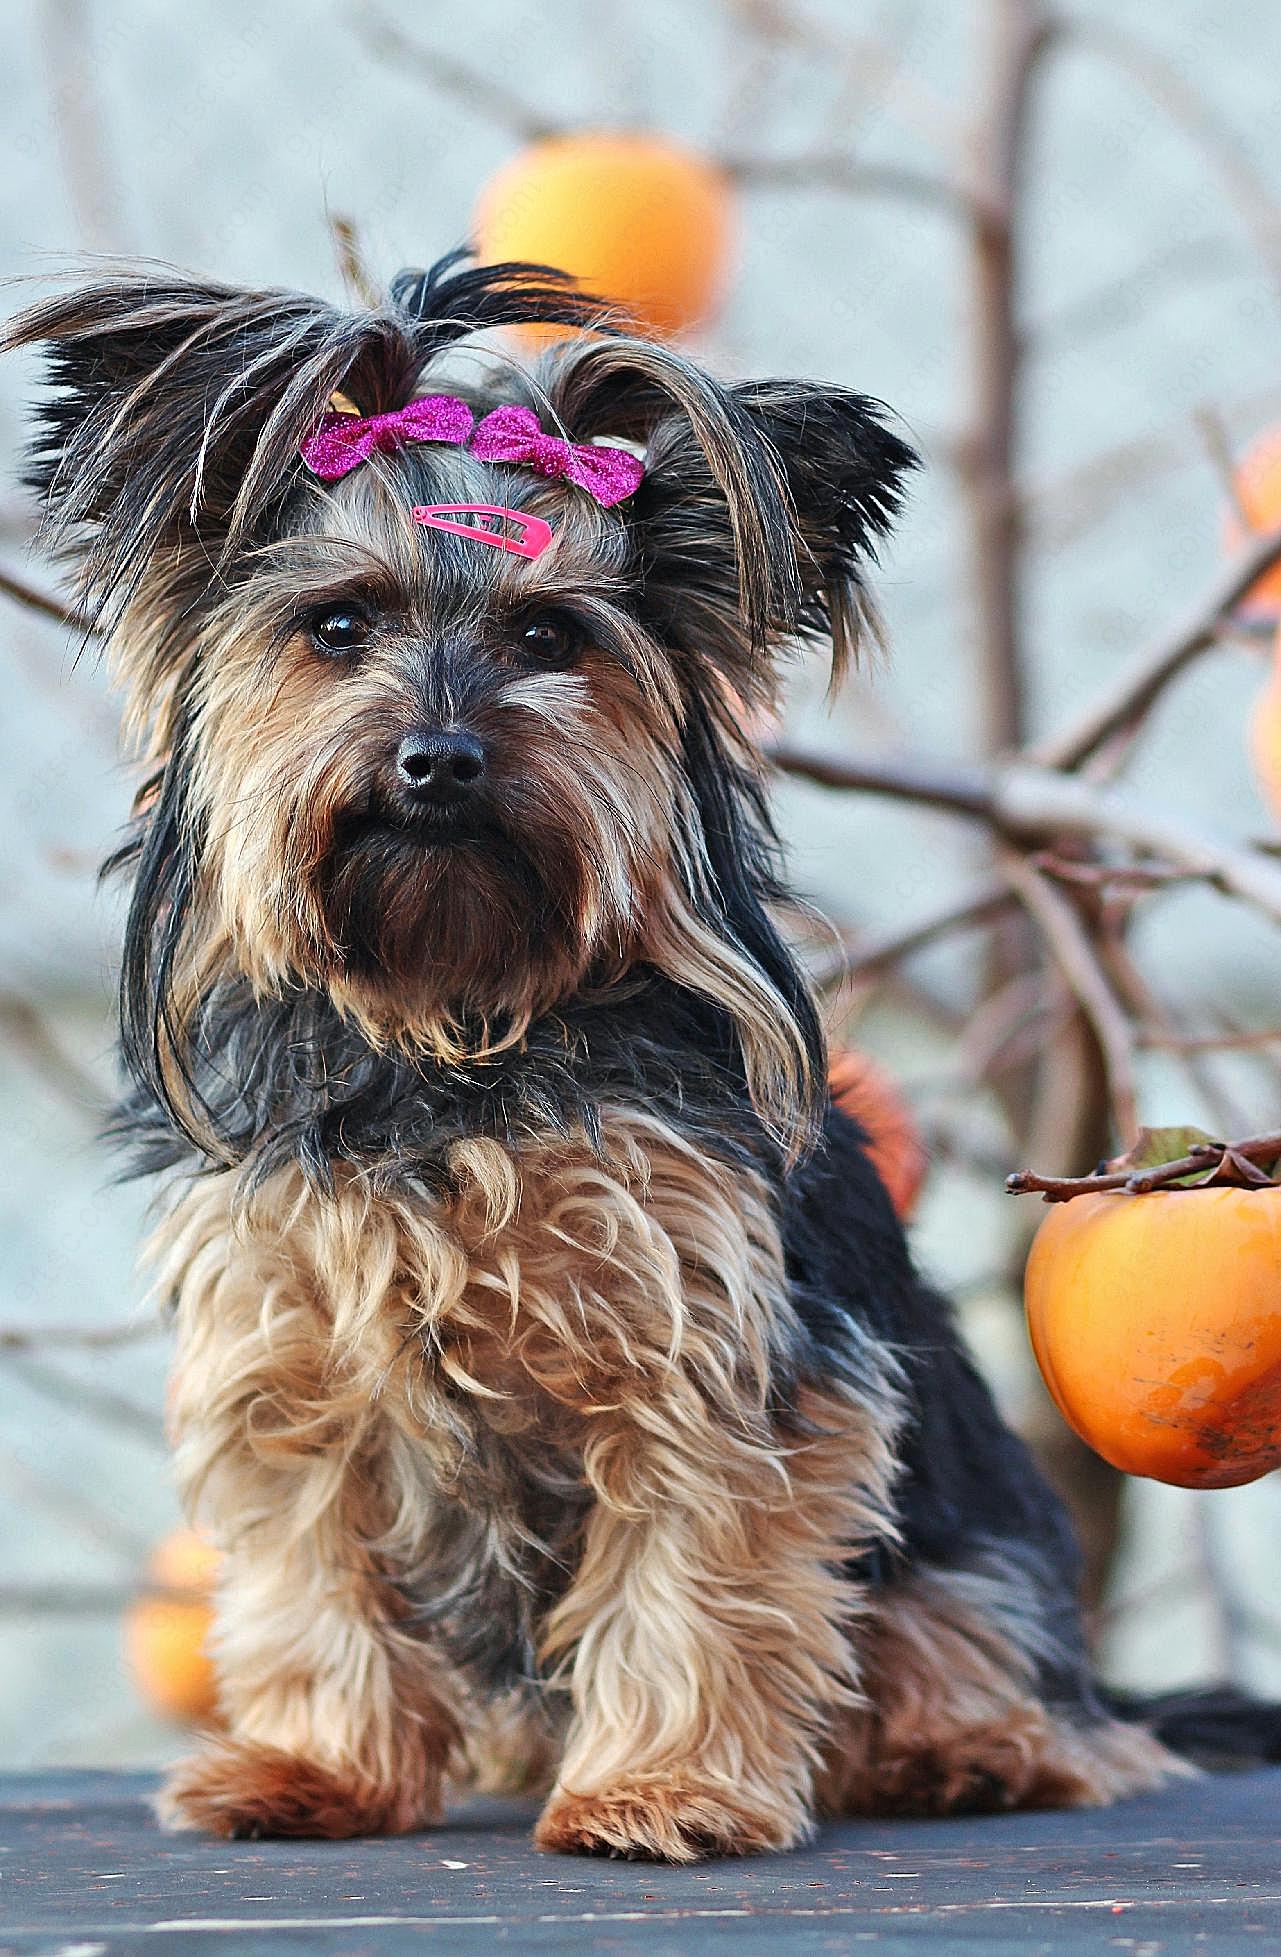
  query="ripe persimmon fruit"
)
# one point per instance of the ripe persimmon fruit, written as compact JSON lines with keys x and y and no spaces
{"x":167,"y":1626}
{"x":1257,"y":482}
{"x":865,"y":1091}
{"x":1156,"y":1322}
{"x":634,"y":216}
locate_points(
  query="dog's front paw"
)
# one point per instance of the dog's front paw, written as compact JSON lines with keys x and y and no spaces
{"x":665,"y":1817}
{"x":243,"y":1792}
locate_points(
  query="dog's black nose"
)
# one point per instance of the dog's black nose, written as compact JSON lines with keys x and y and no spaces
{"x":440,"y":765}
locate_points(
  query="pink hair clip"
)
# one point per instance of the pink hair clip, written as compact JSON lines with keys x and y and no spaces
{"x":524,"y":536}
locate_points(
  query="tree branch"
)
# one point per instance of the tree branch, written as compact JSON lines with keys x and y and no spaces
{"x":1227,"y":155}
{"x":1027,"y":803}
{"x":1070,"y":946}
{"x":25,"y":1028}
{"x":39,"y":601}
{"x":988,"y":452}
{"x":1200,"y":1160}
{"x":90,"y":1338}
{"x":857,"y":961}
{"x":850,"y":176}
{"x":1134,"y":691}
{"x":960,"y":790}
{"x":474,"y":87}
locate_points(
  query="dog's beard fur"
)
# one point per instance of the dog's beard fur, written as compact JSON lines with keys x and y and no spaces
{"x":448,"y":928}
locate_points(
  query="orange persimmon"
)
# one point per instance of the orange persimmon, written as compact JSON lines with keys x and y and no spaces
{"x":1156,"y":1321}
{"x":866,"y":1092}
{"x":166,"y":1628}
{"x":1257,"y":480}
{"x":634,"y":216}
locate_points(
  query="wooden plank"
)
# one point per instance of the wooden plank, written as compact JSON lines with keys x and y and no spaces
{"x":84,"y":1872}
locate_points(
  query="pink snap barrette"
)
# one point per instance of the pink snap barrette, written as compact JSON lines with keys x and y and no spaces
{"x":524,"y":536}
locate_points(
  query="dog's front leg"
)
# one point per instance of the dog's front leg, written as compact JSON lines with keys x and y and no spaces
{"x":707,"y":1631}
{"x":707,"y":1625}
{"x":340,"y":1718}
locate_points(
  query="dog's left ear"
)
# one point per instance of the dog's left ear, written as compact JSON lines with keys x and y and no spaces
{"x":844,"y":471}
{"x":760,"y":507}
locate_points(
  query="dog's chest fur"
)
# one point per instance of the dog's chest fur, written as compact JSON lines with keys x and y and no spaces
{"x":488,"y":1345}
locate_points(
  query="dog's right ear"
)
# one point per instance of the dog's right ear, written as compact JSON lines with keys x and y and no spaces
{"x":174,"y":418}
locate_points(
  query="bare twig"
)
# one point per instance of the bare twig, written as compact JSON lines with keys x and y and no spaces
{"x":85,"y":1599}
{"x":960,"y":790}
{"x":1227,"y":155}
{"x":40,"y":601}
{"x":92,"y":186}
{"x":997,"y":1031}
{"x":69,"y":1508}
{"x":88,"y":1338}
{"x":474,"y":87}
{"x":1106,"y":878}
{"x":850,"y":176}
{"x":1156,"y":1026}
{"x":857,"y":960}
{"x":84,"y":1397}
{"x":26,"y":1029}
{"x":1032,"y":802}
{"x":1069,"y":944}
{"x":1218,"y":447}
{"x":65,"y":1599}
{"x":1020,"y":33}
{"x":1036,"y":805}
{"x":1226,"y":1042}
{"x":1129,"y":696}
{"x":863,"y":61}
{"x":1104,"y":307}
{"x":1063,"y":507}
{"x":1200,"y":1160}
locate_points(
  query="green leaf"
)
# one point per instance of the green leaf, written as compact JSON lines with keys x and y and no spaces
{"x":1157,"y":1146}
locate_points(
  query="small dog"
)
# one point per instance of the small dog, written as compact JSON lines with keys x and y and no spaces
{"x":551,"y":1369}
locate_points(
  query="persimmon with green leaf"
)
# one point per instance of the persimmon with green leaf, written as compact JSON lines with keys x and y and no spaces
{"x":1155,"y":1311}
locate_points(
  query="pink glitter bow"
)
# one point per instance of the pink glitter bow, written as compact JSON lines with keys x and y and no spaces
{"x":512,"y":434}
{"x":342,"y":441}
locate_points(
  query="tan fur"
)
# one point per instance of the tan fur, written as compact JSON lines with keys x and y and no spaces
{"x":951,"y":1719}
{"x":343,"y":1364}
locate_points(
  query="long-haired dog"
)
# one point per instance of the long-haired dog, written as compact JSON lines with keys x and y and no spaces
{"x":551,"y":1369}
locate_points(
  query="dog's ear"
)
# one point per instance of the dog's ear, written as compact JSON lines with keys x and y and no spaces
{"x":760,"y":507}
{"x":711,"y":520}
{"x":177,"y":407}
{"x":844,"y":467}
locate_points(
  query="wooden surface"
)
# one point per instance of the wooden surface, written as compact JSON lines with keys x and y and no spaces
{"x":84,"y":1872}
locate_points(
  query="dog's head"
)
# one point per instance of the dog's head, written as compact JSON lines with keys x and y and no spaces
{"x":448,"y":783}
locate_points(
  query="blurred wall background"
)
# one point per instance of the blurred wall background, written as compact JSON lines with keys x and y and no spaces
{"x":221,"y":138}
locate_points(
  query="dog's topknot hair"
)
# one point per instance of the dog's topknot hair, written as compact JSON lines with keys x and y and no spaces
{"x":181,"y":404}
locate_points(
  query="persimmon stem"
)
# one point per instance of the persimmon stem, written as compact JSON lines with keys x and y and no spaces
{"x":1203,"y":1158}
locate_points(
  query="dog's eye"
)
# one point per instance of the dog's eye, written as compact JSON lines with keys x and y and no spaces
{"x":339,"y":630}
{"x":550,"y":639}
